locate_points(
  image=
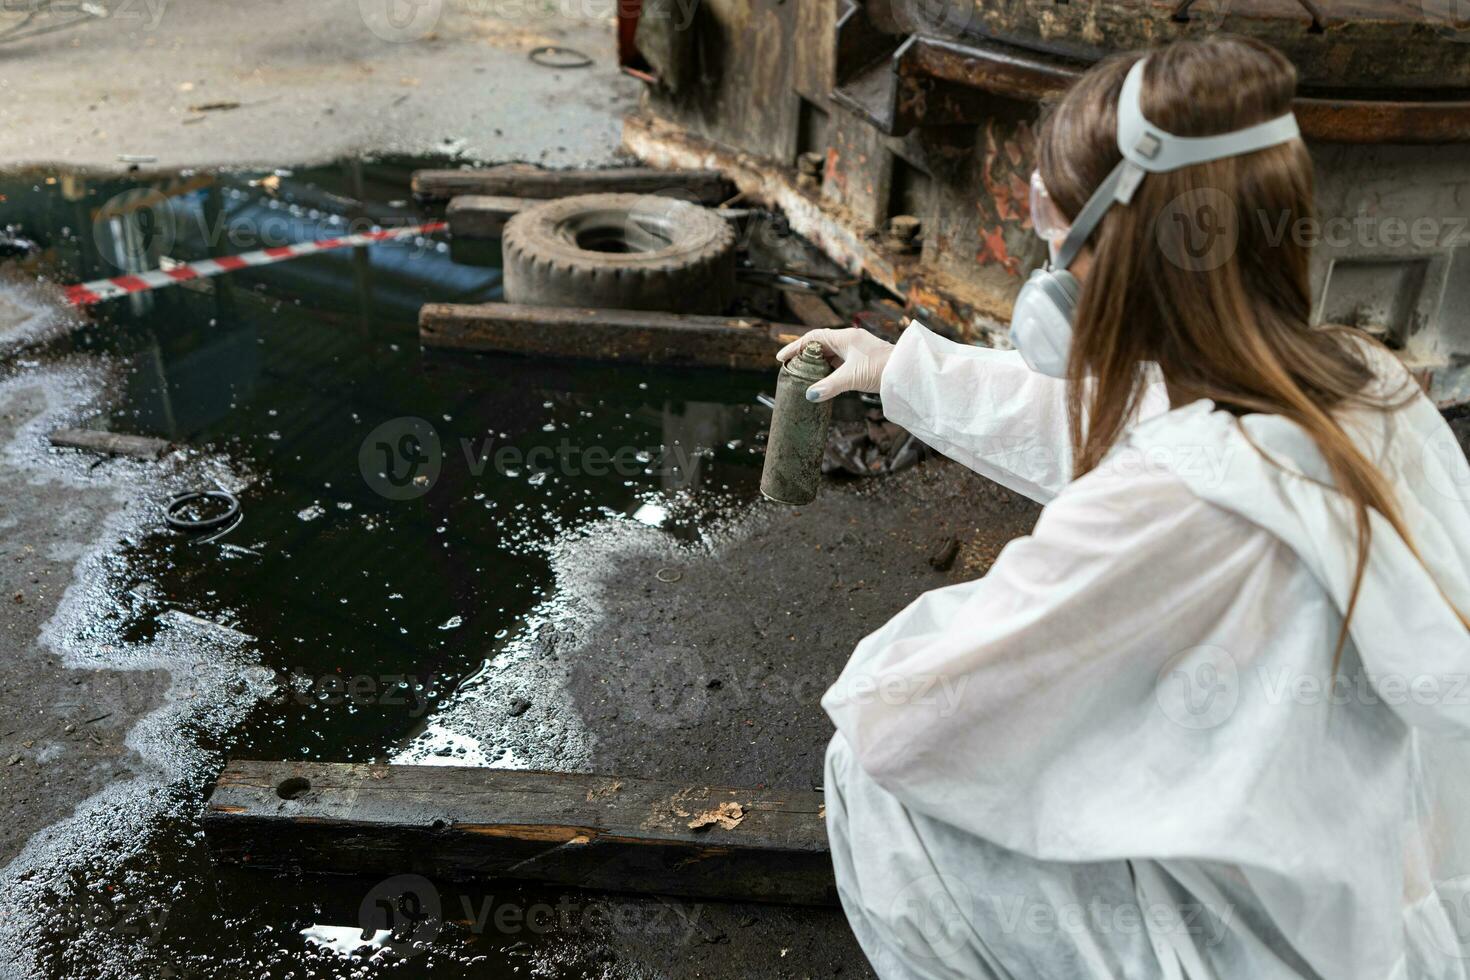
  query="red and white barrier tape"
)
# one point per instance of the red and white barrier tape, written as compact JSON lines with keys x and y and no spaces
{"x":97,"y":290}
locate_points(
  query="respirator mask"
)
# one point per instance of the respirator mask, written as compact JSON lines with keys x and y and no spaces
{"x":1041,"y":326}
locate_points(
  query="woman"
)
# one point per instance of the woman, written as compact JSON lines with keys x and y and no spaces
{"x":1209,"y":719}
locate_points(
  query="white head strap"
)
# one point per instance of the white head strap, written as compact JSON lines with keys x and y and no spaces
{"x":1148,"y":149}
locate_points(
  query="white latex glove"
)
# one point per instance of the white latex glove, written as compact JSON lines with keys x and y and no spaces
{"x":858,"y":357}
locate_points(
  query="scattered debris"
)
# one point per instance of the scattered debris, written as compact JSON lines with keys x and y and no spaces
{"x":871,"y":447}
{"x":223,"y":105}
{"x":112,"y":443}
{"x":942,"y":560}
{"x":668,"y":575}
{"x":556,"y":56}
{"x":183,"y":512}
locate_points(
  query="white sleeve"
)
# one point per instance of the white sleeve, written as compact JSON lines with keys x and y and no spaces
{"x":986,"y":409}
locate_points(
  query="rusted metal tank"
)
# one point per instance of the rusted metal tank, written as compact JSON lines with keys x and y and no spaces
{"x":927,"y":109}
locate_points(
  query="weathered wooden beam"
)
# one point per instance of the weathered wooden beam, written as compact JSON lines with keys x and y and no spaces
{"x":112,"y":443}
{"x":481,"y":215}
{"x":812,"y":310}
{"x":635,"y":336}
{"x":705,"y":186}
{"x":457,"y":823}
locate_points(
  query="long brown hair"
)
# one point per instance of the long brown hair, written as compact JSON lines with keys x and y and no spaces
{"x":1195,"y":275}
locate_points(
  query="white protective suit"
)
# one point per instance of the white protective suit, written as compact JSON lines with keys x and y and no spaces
{"x":1122,"y":753}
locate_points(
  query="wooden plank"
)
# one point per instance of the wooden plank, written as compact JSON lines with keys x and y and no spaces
{"x":586,"y":831}
{"x":812,"y":310}
{"x":112,"y":443}
{"x":481,"y":215}
{"x":705,"y":186}
{"x":632,"y":336}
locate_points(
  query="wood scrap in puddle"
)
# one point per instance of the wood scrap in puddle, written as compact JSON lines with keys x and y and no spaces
{"x":111,"y":443}
{"x":578,"y":830}
{"x":638,"y":336}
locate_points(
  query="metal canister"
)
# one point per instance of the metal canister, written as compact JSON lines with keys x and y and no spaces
{"x":793,"y":467}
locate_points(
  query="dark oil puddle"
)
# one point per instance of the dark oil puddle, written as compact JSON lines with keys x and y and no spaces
{"x":371,"y":593}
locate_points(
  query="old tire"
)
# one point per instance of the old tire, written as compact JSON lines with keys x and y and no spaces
{"x":620,"y":251}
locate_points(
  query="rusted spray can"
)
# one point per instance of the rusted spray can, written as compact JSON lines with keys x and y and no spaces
{"x":798,"y":431}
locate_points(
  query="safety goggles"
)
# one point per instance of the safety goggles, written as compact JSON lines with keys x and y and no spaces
{"x":1046,"y":217}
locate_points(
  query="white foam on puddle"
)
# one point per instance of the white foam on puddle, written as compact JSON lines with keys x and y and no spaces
{"x":474,"y":725}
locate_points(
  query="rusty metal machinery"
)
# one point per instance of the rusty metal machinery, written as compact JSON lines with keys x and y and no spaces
{"x":899,"y":134}
{"x":1349,"y":45}
{"x":1381,"y":72}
